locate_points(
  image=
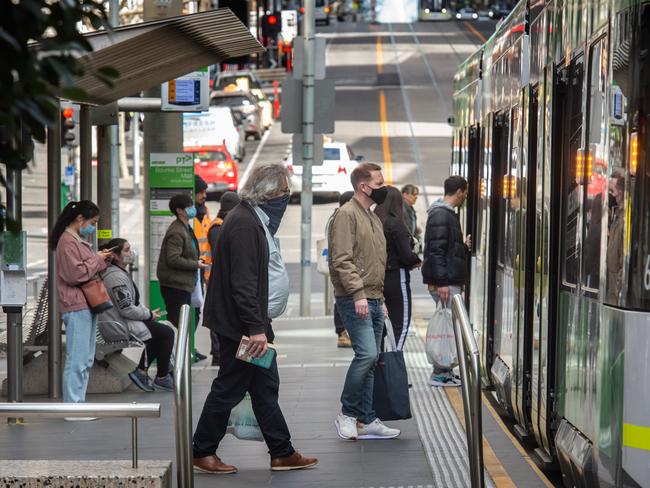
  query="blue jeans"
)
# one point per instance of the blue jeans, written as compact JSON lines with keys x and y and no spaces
{"x":365,"y":334}
{"x":79,"y":353}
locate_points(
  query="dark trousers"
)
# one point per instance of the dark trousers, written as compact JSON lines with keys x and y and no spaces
{"x":397,"y":293}
{"x":338,"y":321}
{"x":174,"y":300}
{"x":158,"y":348}
{"x":214,"y":344}
{"x":235,"y":378}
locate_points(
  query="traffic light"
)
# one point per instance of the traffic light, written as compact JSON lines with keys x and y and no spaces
{"x":271,"y":26}
{"x":68,"y":128}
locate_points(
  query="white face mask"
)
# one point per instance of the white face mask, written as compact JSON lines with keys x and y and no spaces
{"x":127,"y":259}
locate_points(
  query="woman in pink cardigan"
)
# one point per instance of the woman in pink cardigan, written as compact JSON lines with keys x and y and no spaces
{"x":77,"y":263}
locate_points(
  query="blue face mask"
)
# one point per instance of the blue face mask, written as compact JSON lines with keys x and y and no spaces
{"x":87,"y":230}
{"x":275,"y":209}
{"x":191,"y":212}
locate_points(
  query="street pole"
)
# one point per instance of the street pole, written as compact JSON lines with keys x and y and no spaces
{"x":135,"y":133}
{"x":163,"y":132}
{"x":53,"y":208}
{"x":14,"y":314}
{"x":85,"y":153}
{"x":113,"y":137}
{"x":306,"y":197}
{"x":105,"y":180}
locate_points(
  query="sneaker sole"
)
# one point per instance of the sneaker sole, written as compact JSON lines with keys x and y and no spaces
{"x":136,"y":381}
{"x":338,"y":431}
{"x":293,"y":468}
{"x":367,"y":437}
{"x":443,"y":385}
{"x":162,"y":388}
{"x":205,"y":471}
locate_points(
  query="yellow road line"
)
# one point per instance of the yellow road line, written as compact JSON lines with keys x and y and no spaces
{"x":388,"y":164}
{"x":473,"y":30}
{"x":383,"y":118}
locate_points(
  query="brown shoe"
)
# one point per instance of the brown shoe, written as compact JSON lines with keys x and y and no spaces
{"x":344,"y":340}
{"x":212,"y":465}
{"x":295,"y":461}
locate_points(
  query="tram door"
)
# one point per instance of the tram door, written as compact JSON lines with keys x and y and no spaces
{"x":524,"y":262}
{"x":497,"y":313}
{"x":472,"y":174}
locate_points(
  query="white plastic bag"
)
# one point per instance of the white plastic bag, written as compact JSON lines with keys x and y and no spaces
{"x":197,"y":294}
{"x":322,"y":251}
{"x":242,"y":422}
{"x":441,"y":342}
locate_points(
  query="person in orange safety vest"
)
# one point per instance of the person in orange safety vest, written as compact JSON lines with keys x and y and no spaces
{"x":201,"y":226}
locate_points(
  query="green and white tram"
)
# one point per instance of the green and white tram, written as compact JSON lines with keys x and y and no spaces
{"x":551,"y":129}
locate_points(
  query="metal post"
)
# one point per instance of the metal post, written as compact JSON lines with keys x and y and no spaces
{"x":306,"y":197}
{"x":53,"y":208}
{"x":183,"y":402}
{"x":14,"y":314}
{"x":471,"y":384}
{"x":114,"y":154}
{"x":85,"y":153}
{"x":104,"y":180}
{"x":134,"y":442}
{"x":135,"y":134}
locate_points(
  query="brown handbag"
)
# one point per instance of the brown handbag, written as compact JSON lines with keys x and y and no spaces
{"x":96,"y":295}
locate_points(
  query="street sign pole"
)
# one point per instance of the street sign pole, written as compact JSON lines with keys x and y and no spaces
{"x":309,"y":28}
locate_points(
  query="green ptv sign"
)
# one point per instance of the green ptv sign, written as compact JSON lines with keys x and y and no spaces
{"x":169,"y":175}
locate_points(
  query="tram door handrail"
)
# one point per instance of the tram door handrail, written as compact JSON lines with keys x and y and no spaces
{"x":183,"y":402}
{"x":470,"y":372}
{"x":99,"y":410}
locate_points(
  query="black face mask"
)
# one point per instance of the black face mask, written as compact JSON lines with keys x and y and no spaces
{"x":275,"y":208}
{"x":378,"y":195}
{"x":611,"y":201}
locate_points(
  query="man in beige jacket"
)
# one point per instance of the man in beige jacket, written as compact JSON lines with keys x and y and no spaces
{"x":357,"y":251}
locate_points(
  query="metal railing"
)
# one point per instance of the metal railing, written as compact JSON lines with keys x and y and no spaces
{"x":471,"y":378}
{"x":101,"y":410}
{"x":183,"y":402}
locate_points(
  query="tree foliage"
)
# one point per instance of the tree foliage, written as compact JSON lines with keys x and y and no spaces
{"x":40,"y":43}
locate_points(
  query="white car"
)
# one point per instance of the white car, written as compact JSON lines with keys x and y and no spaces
{"x":333,"y":176}
{"x":467,"y":13}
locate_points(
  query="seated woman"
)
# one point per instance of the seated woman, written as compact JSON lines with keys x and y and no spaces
{"x":138,"y":321}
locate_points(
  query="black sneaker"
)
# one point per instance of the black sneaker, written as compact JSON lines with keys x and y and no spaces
{"x":199,"y":356}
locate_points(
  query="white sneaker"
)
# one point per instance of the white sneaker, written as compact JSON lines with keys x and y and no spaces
{"x":376,"y":430}
{"x":80,"y":419}
{"x":346,"y":427}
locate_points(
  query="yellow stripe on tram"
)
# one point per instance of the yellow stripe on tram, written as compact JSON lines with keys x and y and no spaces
{"x":636,"y":436}
{"x":383,"y":118}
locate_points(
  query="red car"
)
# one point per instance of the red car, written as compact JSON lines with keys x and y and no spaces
{"x":217,"y":168}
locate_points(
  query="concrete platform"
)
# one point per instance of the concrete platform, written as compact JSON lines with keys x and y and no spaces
{"x":85,"y":474}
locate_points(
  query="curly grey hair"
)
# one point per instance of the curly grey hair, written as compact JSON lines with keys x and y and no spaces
{"x":265,"y":180}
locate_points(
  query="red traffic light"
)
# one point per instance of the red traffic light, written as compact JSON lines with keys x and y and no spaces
{"x":68,"y":112}
{"x":272,"y":19}
{"x":302,"y":10}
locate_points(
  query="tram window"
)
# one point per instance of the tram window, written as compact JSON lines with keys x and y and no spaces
{"x":637,"y":229}
{"x":594,"y":170}
{"x":572,"y":182}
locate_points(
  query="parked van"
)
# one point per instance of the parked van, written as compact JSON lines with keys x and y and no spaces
{"x":213,"y":128}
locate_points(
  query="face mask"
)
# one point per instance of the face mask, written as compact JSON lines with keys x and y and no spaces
{"x":191,"y":212}
{"x":378,"y":195}
{"x":87,"y":230}
{"x":275,"y":209}
{"x":611,"y":201}
{"x":127,"y":259}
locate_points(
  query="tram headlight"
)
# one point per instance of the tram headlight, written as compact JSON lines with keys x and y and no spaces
{"x":426,"y":10}
{"x":444,"y":10}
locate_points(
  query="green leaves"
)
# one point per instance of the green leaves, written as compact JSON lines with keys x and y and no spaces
{"x":32,"y":76}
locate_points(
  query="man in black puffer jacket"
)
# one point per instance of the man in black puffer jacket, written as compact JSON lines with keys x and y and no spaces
{"x":445,"y":255}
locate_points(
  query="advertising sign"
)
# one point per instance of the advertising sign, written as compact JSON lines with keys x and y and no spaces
{"x":169,"y":175}
{"x":189,"y":93}
{"x":289,"y":25}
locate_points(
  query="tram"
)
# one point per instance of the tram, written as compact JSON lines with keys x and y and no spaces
{"x":434,"y":10}
{"x":551,"y":130}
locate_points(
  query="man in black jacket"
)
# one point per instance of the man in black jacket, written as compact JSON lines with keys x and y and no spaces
{"x":247,"y":288}
{"x":445,"y":255}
